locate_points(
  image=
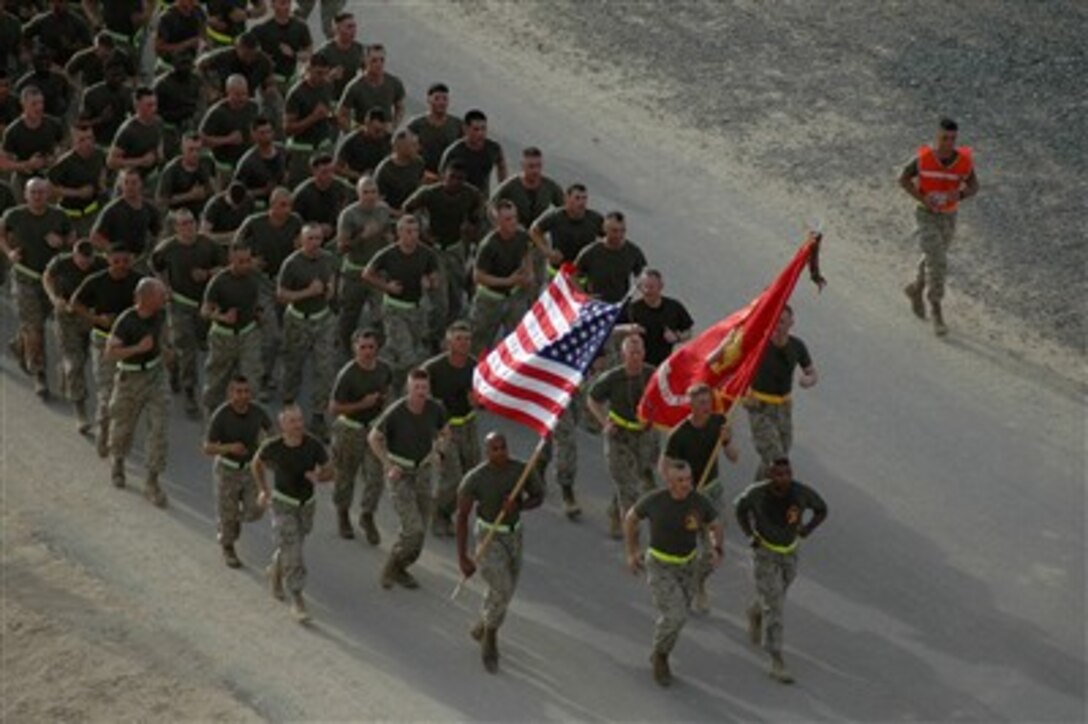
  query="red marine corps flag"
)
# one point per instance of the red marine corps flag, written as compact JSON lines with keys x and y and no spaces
{"x":727,"y":355}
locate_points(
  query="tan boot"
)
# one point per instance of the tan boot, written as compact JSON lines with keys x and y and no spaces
{"x":389,"y":573}
{"x":778,"y":671}
{"x":662,"y":674}
{"x":914,"y":294}
{"x":230,"y":557}
{"x":570,"y":505}
{"x":366,"y":522}
{"x":153,"y":492}
{"x":477,"y":631}
{"x":298,"y":607}
{"x":117,"y":473}
{"x":83,"y":422}
{"x":489,"y":650}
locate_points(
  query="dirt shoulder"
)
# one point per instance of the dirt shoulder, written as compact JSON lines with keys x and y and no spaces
{"x":113,"y":610}
{"x":817,"y":106}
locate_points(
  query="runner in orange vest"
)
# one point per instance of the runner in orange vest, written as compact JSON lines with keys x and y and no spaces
{"x":938,"y":178}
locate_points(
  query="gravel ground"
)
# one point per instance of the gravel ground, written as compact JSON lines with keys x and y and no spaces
{"x":828,"y":100}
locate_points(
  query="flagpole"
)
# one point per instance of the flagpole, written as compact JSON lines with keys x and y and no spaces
{"x":482,"y":547}
{"x":717,"y":446}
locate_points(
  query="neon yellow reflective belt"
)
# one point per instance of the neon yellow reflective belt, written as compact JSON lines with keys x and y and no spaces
{"x":293,"y":145}
{"x":552,"y":271}
{"x":490,"y":293}
{"x":770,"y":399}
{"x":347,"y":265}
{"x":783,"y":550}
{"x":457,"y":421}
{"x":625,"y":423}
{"x":294,"y":312}
{"x":402,"y":462}
{"x":223,"y":329}
{"x":503,"y":528}
{"x":285,"y":498}
{"x":100,"y":333}
{"x":80,"y":213}
{"x":139,"y":366}
{"x":671,"y":559}
{"x":228,"y":463}
{"x":27,"y":271}
{"x":184,"y":300}
{"x":353,"y":424}
{"x":217,"y":36}
{"x":398,"y":304}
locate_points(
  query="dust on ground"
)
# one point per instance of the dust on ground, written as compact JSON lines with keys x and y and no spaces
{"x":819,"y":105}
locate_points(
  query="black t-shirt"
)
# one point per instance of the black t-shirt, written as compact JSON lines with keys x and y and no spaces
{"x":301,"y":102}
{"x":490,"y":486}
{"x":64,"y":33}
{"x":775,"y":373}
{"x":447,"y":210}
{"x":221,"y":216}
{"x":228,"y":426}
{"x":362,"y":153}
{"x":130,"y":328}
{"x":117,"y":15}
{"x":300,"y":270}
{"x":136,"y":138}
{"x":570,"y":235}
{"x":609,"y":271}
{"x":289,"y":465}
{"x":26,"y":231}
{"x":176,"y":262}
{"x":502,"y":257}
{"x":67,"y":276}
{"x":396,"y":182}
{"x":260,"y":174}
{"x":776,"y":518}
{"x":408,"y":435}
{"x":176,"y":179}
{"x":694,"y":445}
{"x":227,"y":291}
{"x":452,"y":386}
{"x":434,"y":140}
{"x":530,"y":203}
{"x":103,"y":294}
{"x":408,"y":269}
{"x":222,"y":120}
{"x":89,"y":66}
{"x":177,"y":27}
{"x":674,"y":524}
{"x":178,"y":96}
{"x":294,"y":34}
{"x":322,"y":206}
{"x":478,"y":162}
{"x":101,"y":99}
{"x":55,"y":88}
{"x":271,"y":243}
{"x":670,"y":314}
{"x":224,"y":63}
{"x":73,"y":171}
{"x":136,"y":228}
{"x":353,"y":383}
{"x":21,"y":141}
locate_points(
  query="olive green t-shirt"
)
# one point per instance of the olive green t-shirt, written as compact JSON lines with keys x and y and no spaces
{"x":136,"y":138}
{"x":408,"y":269}
{"x":289,"y":465}
{"x":302,"y":99}
{"x":367,"y":232}
{"x":569,"y":236}
{"x":353,"y":383}
{"x":450,"y":385}
{"x":26,"y":231}
{"x":776,"y":519}
{"x":434,"y":140}
{"x":299,"y":270}
{"x":530,"y":203}
{"x":621,"y":391}
{"x":130,"y":328}
{"x":176,"y":261}
{"x":502,"y":257}
{"x":490,"y":485}
{"x":447,"y":210}
{"x":227,"y":291}
{"x":271,"y":243}
{"x":67,"y":276}
{"x":674,"y":524}
{"x":408,"y":435}
{"x":222,"y":120}
{"x":397,"y":182}
{"x":609,"y":271}
{"x":361,"y":95}
{"x":228,"y":426}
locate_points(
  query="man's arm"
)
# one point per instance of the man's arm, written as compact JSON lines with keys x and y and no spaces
{"x":630,"y":538}
{"x":970,"y":186}
{"x":464,"y":561}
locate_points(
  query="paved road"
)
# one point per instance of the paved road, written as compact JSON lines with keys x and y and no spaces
{"x":947,"y":583}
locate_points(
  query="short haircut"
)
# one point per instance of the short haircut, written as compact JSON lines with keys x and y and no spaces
{"x":341,"y":17}
{"x":239,"y":379}
{"x":699,"y":388}
{"x":652,"y":273}
{"x":182,"y":213}
{"x":407,"y":220}
{"x":475,"y":115}
{"x":260,"y":122}
{"x":456,"y":166}
{"x":82,"y":126}
{"x":615,"y":216}
{"x":375,"y":114}
{"x":321,"y":159}
{"x":402,"y":134}
{"x":506,"y":205}
{"x":318,"y":60}
{"x":460,"y":326}
{"x":30,"y":92}
{"x":142,"y":92}
{"x":240,"y":245}
{"x":780,"y":463}
{"x":237,"y":192}
{"x":191,"y":137}
{"x":577,"y":187}
{"x":947,"y":124}
{"x":418,"y":373}
{"x":532,"y":152}
{"x":373,"y":48}
{"x":84,"y":247}
{"x":104,"y":39}
{"x":680,"y":467}
{"x":248,"y":40}
{"x":363,"y":333}
{"x":437,"y":88}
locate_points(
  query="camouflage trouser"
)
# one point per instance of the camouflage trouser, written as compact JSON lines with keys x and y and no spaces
{"x":271,"y":324}
{"x":33,"y":307}
{"x":236,"y":496}
{"x":82,"y":226}
{"x":448,"y":297}
{"x":772,"y":431}
{"x":309,"y":339}
{"x":291,"y":523}
{"x":500,"y":568}
{"x":74,"y":343}
{"x":360,"y":308}
{"x":935,"y":233}
{"x":563,"y":444}
{"x":350,"y":454}
{"x":188,"y":333}
{"x":104,"y":372}
{"x":491,"y":312}
{"x":412,"y":502}
{"x":704,"y":565}
{"x":774,"y":572}
{"x":671,"y":587}
{"x":630,"y":455}
{"x":462,"y":455}
{"x":229,"y":354}
{"x":404,"y":330}
{"x":329,"y":10}
{"x":133,"y":393}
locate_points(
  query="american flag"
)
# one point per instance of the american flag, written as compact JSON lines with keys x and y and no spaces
{"x":530,"y":376}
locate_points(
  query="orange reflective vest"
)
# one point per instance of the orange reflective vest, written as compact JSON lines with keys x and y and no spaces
{"x":942,"y":183}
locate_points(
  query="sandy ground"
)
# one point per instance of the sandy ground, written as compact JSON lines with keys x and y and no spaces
{"x":815,"y":107}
